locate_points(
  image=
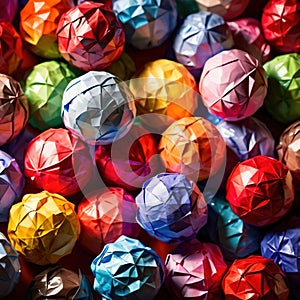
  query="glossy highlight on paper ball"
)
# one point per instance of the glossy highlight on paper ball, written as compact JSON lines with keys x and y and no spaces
{"x":90,"y":37}
{"x":126,"y":269}
{"x":260,"y":190}
{"x":171,"y":208}
{"x":43,"y":227}
{"x":233,"y":85}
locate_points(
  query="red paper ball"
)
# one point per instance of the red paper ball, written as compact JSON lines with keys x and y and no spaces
{"x":281,"y":25}
{"x":58,"y":162}
{"x":260,"y":190}
{"x":90,"y":36}
{"x":105,"y":216}
{"x":255,"y":278}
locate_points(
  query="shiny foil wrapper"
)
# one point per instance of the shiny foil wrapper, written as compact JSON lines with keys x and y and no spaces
{"x":147,"y":23}
{"x":8,"y":10}
{"x":60,"y":283}
{"x":10,"y":269}
{"x":126,"y":269}
{"x":281,"y":25}
{"x":90,"y":37}
{"x":14,"y":110}
{"x":195,"y":271}
{"x":105,"y":216}
{"x":138,"y":161}
{"x":53,"y":161}
{"x":282,"y":100}
{"x":224,"y":228}
{"x":248,"y":36}
{"x":257,"y":278}
{"x":12,"y":184}
{"x":247,"y":138}
{"x":11,"y":54}
{"x":201,"y":36}
{"x":171,"y":208}
{"x":229,"y":9}
{"x":260,"y":190}
{"x":44,"y":89}
{"x":233,"y":85}
{"x":98,"y":107}
{"x":192,"y":146}
{"x":38,"y":24}
{"x":43,"y":227}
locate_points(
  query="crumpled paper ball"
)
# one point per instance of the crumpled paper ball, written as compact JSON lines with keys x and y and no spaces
{"x":8,"y":10}
{"x":38,"y":24}
{"x":260,"y":190}
{"x":281,"y":25}
{"x":104,"y":216}
{"x":44,"y":89}
{"x":11,"y":54}
{"x":14,"y":111}
{"x":171,"y":208}
{"x":126,"y":269}
{"x":12,"y":184}
{"x":130,"y":168}
{"x":282,"y":100}
{"x":90,"y":36}
{"x":166,"y":90}
{"x":247,"y":138}
{"x":224,"y":228}
{"x":10,"y":268}
{"x":54,"y":161}
{"x":98,"y":107}
{"x":60,"y":283}
{"x":43,"y":227}
{"x":195,"y":271}
{"x":233,"y":85}
{"x":228,"y":9}
{"x":289,"y":151}
{"x":247,"y":35}
{"x":257,"y":278}
{"x":192,"y":146}
{"x":147,"y":23}
{"x":201,"y":36}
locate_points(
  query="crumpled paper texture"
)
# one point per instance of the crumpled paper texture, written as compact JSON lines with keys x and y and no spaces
{"x":228,"y":9}
{"x":147,"y":23}
{"x":195,"y":271}
{"x":11,"y":54}
{"x":90,"y":37}
{"x":281,"y":25}
{"x":11,"y":184}
{"x":43,"y":227}
{"x":224,"y":228}
{"x":98,"y":107}
{"x":192,"y":146}
{"x":247,"y":138}
{"x":164,"y":87}
{"x":282,"y":100}
{"x":248,"y":36}
{"x":201,"y":36}
{"x":289,"y":151}
{"x":8,"y":10}
{"x":54,"y":160}
{"x":105,"y":216}
{"x":233,"y":85}
{"x":138,"y":161}
{"x":260,"y":190}
{"x":14,"y":110}
{"x":126,"y":269}
{"x":38,"y":24}
{"x":171,"y":208}
{"x":44,"y":89}
{"x":60,"y":283}
{"x":255,"y":278}
{"x":10,"y":269}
